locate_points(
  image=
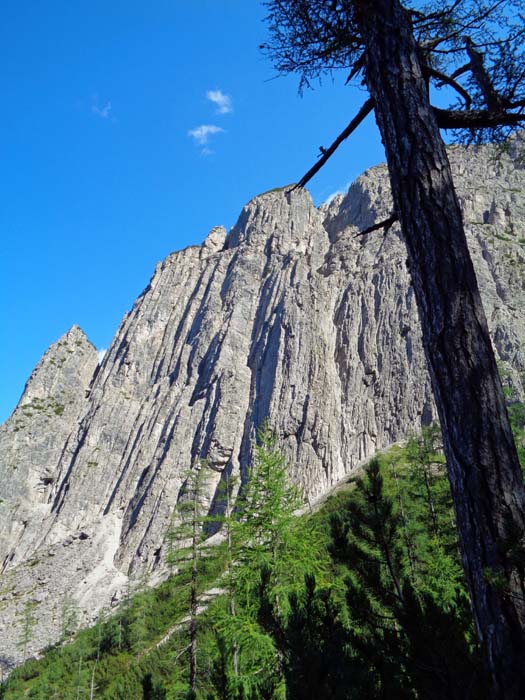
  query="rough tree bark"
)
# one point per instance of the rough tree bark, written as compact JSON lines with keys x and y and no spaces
{"x":484,"y":470}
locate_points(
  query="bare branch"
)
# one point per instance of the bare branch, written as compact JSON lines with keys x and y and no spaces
{"x":358,"y":65}
{"x":365,"y":110}
{"x":448,"y":80}
{"x":386,"y":224}
{"x":447,"y":119}
{"x":183,"y":651}
{"x":493,"y":99}
{"x":459,"y":71}
{"x":516,"y":84}
{"x":475,"y":23}
{"x":426,"y":18}
{"x":477,"y":119}
{"x":500,"y":41}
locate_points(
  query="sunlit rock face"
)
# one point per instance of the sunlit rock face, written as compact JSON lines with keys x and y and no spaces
{"x":36,"y":438}
{"x":289,"y":317}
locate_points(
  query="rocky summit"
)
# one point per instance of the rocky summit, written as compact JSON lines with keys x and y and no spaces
{"x":290,"y":317}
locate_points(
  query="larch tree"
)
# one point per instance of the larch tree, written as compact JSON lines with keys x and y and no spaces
{"x":27,"y":622}
{"x":475,"y":48}
{"x":412,"y":635}
{"x":185,"y":538}
{"x":267,"y":542}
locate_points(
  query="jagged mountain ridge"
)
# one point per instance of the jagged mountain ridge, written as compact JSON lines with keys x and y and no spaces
{"x":289,"y":317}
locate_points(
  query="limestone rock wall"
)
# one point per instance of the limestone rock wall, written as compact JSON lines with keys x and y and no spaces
{"x":36,"y":438}
{"x":289,"y":317}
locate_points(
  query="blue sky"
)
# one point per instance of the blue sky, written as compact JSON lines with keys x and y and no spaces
{"x":127,"y":131}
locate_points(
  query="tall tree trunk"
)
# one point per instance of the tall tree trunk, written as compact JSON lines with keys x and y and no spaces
{"x":484,"y":470}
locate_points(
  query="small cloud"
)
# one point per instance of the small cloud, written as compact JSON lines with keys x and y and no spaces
{"x":201,"y":134}
{"x":332,"y":196}
{"x":101,"y":353}
{"x":342,"y":190}
{"x":103,"y":112}
{"x":221,"y":101}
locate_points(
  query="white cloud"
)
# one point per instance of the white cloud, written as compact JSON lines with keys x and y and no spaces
{"x":332,"y":196}
{"x":102,"y":112}
{"x":221,"y":101}
{"x":343,"y":190}
{"x":100,"y":354}
{"x":201,"y":134}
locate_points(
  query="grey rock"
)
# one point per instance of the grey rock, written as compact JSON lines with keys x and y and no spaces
{"x":35,"y":439}
{"x":289,"y":317}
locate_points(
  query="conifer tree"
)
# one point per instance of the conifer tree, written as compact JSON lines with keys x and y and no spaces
{"x":313,"y":641}
{"x":414,"y":644}
{"x":185,"y":538}
{"x":265,"y":540}
{"x":226,"y":518}
{"x":430,"y":519}
{"x":137,"y":615}
{"x":27,"y":622}
{"x":69,"y":618}
{"x":269,"y":534}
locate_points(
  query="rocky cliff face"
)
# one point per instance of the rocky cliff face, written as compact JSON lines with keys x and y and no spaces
{"x":291,"y":317}
{"x":36,"y":437}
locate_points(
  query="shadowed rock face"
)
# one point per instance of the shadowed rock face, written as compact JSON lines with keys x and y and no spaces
{"x":288,"y":317}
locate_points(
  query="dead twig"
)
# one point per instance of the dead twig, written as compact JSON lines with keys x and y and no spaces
{"x":386,"y":224}
{"x":327,"y":152}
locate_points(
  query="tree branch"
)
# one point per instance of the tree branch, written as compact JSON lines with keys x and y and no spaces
{"x":386,"y":224}
{"x":493,"y":99}
{"x":446,"y":119}
{"x":475,"y":23}
{"x":365,"y":110}
{"x":449,"y":80}
{"x":432,"y":16}
{"x":476,"y":119}
{"x":459,"y":71}
{"x":358,"y":65}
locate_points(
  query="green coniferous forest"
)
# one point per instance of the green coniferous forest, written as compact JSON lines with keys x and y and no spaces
{"x":362,"y":599}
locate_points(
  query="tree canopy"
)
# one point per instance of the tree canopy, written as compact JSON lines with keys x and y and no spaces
{"x":474,"y":48}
